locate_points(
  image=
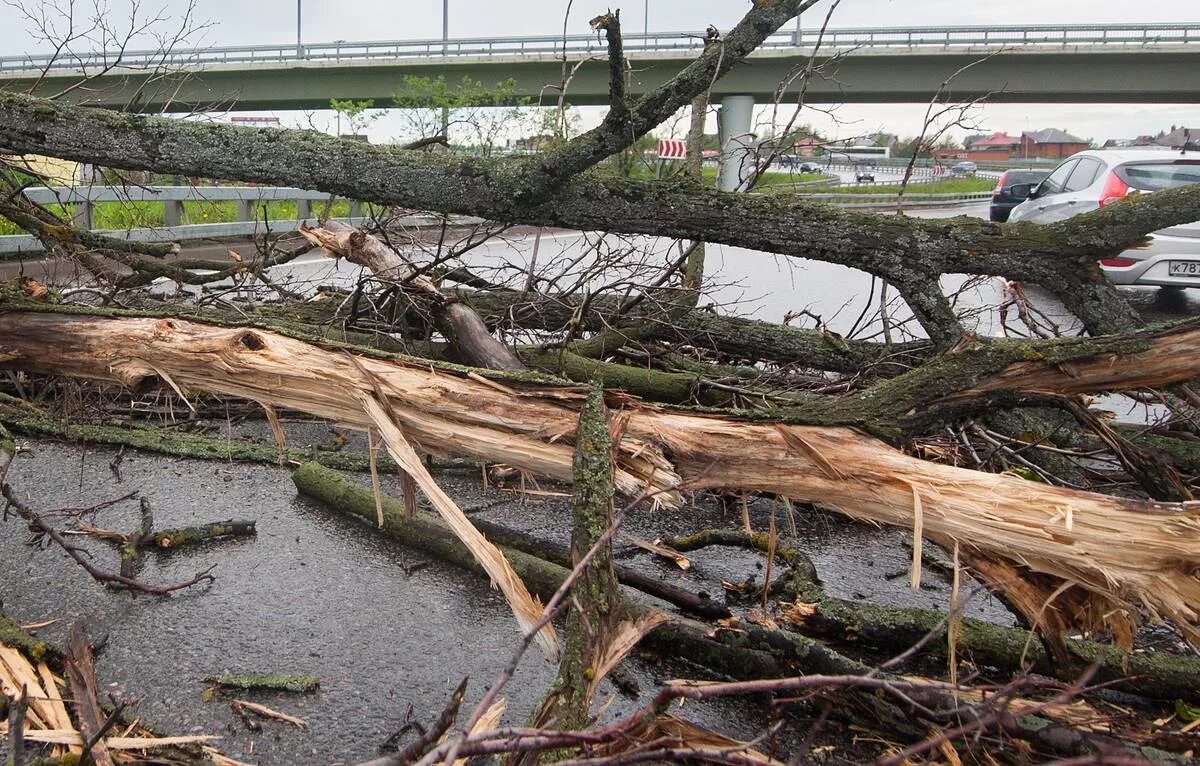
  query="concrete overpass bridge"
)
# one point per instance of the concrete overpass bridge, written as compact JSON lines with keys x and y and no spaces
{"x":1103,"y":63}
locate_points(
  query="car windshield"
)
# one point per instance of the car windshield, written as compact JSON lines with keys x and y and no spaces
{"x":1165,"y":175}
{"x":1024,"y":176}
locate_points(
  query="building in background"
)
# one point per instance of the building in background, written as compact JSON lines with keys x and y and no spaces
{"x":53,"y":169}
{"x":998,"y":146}
{"x":1049,"y":144}
{"x":255,"y":121}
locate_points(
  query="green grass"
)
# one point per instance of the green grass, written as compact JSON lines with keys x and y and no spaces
{"x":776,"y":178}
{"x":644,"y":172}
{"x":944,"y":186}
{"x":137,"y":215}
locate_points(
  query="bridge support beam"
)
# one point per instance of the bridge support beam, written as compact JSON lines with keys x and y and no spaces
{"x":737,"y":142}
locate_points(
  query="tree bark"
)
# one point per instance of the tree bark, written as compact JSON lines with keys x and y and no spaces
{"x":1061,"y":257}
{"x":467,"y":333}
{"x":597,"y":604}
{"x":1064,"y":534}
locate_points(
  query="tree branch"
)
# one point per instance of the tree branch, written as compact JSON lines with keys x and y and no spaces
{"x":1061,"y":256}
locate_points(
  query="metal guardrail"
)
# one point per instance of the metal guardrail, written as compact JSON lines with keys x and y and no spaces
{"x":84,"y":198}
{"x":917,"y":39}
{"x":893,"y":200}
{"x":70,"y":195}
{"x":26,"y":243}
{"x":921,"y":174}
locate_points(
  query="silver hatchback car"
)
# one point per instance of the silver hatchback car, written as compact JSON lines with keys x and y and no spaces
{"x":1095,"y":178}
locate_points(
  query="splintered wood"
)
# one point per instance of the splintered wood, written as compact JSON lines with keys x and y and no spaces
{"x":47,"y":720}
{"x":46,"y":712}
{"x":1104,"y":558}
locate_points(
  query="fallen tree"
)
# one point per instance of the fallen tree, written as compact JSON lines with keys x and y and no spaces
{"x":754,"y":407}
{"x":909,"y":253}
{"x":1066,"y":538}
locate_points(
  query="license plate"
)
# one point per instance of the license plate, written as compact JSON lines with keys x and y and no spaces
{"x":1183,"y":268}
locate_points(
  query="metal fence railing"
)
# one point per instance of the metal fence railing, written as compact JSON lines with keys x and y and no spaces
{"x":894,"y":200}
{"x":917,"y":39}
{"x":176,"y":227}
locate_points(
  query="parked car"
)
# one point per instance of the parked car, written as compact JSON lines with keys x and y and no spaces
{"x":1002,"y":200}
{"x":864,"y":172}
{"x":1093,"y":179}
{"x":965,"y":168}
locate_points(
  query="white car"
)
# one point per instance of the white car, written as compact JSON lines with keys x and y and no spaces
{"x":1092,"y":179}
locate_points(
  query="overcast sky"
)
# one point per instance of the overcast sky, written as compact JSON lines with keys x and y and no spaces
{"x":242,"y":22}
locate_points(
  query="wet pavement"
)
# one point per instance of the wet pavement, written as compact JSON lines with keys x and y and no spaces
{"x":320,"y":593}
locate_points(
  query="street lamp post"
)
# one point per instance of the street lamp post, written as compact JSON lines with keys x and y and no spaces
{"x":299,"y":45}
{"x":445,"y":52}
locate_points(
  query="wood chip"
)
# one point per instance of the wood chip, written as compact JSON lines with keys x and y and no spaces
{"x":72,"y":737}
{"x":681,"y":561}
{"x":263,"y":711}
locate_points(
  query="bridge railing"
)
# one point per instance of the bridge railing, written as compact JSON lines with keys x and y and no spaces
{"x":916,"y":38}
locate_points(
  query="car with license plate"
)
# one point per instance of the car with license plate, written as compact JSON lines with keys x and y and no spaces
{"x":1097,"y":178}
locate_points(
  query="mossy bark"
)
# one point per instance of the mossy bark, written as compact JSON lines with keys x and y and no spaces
{"x":889,"y":630}
{"x":174,"y":538}
{"x":299,"y":683}
{"x":597,"y":607}
{"x":178,"y":444}
{"x":654,"y":385}
{"x":35,"y":650}
{"x":680,"y":637}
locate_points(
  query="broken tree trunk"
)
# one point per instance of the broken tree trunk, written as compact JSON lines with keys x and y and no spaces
{"x":1114,"y":556}
{"x":746,"y":651}
{"x":887,"y":631}
{"x":467,"y":333}
{"x":595,"y":620}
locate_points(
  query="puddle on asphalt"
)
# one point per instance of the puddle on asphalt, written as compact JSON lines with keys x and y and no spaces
{"x":319,"y":593}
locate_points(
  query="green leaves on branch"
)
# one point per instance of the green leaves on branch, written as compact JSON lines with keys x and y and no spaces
{"x":421,"y":92}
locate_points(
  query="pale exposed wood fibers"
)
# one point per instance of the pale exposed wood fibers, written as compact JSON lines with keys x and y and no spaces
{"x":1123,"y":554}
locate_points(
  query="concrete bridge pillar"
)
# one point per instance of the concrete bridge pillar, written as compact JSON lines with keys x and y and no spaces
{"x":737,"y":142}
